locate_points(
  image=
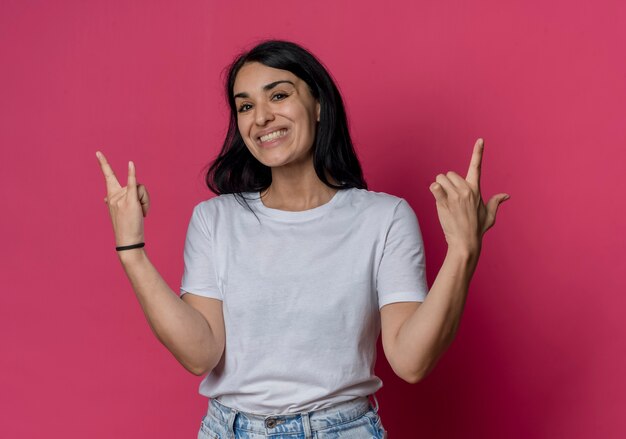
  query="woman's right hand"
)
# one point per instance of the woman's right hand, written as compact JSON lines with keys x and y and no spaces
{"x":127,"y":205}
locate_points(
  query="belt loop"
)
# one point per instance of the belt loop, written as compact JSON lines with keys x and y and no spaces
{"x":306,"y":424}
{"x":231,"y":422}
{"x":376,"y":400}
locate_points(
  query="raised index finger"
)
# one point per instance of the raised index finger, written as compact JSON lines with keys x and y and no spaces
{"x":132,"y":180}
{"x":473,"y":173}
{"x":109,"y":176}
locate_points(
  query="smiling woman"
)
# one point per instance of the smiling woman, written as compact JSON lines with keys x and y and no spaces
{"x":277,"y":116}
{"x":280,"y":86}
{"x":294,"y":270}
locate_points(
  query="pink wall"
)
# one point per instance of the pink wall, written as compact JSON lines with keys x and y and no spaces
{"x":540,"y":352}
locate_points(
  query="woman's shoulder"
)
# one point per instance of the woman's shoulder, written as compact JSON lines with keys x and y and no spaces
{"x":374,"y":198}
{"x":362,"y":199}
{"x":381,"y":207}
{"x":224,"y":202}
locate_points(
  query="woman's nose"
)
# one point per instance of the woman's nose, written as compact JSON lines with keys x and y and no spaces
{"x":263,"y":113}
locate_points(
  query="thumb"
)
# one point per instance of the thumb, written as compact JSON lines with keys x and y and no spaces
{"x":492,"y":207}
{"x":144,"y":199}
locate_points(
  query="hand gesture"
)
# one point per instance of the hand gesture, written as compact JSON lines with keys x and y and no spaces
{"x":127,"y":205}
{"x":462,"y":213}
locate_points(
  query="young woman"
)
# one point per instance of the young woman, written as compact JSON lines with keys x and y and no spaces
{"x":293,"y":270}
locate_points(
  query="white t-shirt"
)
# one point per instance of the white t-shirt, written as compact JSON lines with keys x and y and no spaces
{"x":301,"y":294}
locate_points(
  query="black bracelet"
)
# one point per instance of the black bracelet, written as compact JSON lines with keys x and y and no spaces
{"x":128,"y":247}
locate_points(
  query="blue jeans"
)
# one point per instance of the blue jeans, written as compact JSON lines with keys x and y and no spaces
{"x":355,"y":419}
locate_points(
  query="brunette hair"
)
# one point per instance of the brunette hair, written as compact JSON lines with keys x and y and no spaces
{"x":236,"y":170}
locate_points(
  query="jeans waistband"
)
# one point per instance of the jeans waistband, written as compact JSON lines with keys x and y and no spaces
{"x":312,"y":420}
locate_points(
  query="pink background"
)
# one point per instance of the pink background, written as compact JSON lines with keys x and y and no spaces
{"x":540,"y":352}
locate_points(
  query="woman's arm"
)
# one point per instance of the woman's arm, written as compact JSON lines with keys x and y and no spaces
{"x":193,"y":334}
{"x":194,"y":340}
{"x":426,"y":331}
{"x":430,"y":327}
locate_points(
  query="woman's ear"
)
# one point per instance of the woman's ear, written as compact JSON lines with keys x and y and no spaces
{"x":317,"y":109}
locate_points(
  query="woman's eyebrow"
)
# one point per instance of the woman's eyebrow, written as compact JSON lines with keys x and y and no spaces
{"x":266,"y":87}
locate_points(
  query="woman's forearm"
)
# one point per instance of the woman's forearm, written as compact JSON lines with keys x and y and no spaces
{"x":428,"y":332}
{"x":181,"y":328}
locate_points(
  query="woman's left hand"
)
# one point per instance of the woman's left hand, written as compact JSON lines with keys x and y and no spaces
{"x":462,"y":213}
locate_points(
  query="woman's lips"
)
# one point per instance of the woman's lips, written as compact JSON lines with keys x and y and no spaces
{"x":275,"y":141}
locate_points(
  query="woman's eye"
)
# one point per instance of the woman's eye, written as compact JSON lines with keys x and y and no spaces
{"x":276,"y":97}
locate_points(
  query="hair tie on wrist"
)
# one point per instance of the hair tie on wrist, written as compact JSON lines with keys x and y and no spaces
{"x":128,"y":247}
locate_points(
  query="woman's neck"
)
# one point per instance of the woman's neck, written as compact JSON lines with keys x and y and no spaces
{"x":297,"y":191}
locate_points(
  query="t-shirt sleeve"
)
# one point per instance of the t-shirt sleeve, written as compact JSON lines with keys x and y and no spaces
{"x":199,"y":273}
{"x":402,"y":271}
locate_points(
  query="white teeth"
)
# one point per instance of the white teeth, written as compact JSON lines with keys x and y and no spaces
{"x":273,"y":135}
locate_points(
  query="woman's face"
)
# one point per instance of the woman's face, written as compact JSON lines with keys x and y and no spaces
{"x":276,"y":114}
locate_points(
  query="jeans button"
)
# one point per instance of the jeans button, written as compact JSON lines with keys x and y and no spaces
{"x":270,"y":422}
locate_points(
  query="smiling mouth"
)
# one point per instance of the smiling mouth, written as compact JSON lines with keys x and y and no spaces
{"x":273,"y":135}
